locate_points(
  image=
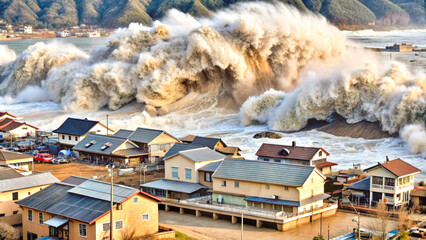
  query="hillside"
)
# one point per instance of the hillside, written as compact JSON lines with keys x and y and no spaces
{"x":116,"y":13}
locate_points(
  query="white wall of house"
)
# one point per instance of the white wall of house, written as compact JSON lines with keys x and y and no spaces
{"x":73,"y":140}
{"x":23,"y":131}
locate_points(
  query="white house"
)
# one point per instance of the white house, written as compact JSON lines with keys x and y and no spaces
{"x":391,"y":182}
{"x":73,"y":130}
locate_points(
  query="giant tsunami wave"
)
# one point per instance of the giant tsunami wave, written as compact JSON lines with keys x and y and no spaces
{"x":233,"y":57}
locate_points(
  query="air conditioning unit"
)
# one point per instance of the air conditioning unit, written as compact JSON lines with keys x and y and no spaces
{"x":275,"y":197}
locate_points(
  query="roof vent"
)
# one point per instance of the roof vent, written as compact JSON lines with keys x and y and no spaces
{"x":293,"y":144}
{"x":93,"y":142}
{"x":387,"y":158}
{"x":285,"y":152}
{"x":275,"y":197}
{"x":106,"y":145}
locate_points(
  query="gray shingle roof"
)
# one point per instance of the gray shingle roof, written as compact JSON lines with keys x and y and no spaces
{"x":363,"y":185}
{"x":177,"y":147}
{"x":76,"y":126}
{"x":9,"y":155}
{"x":33,"y":180}
{"x":208,"y":142}
{"x":7,"y":173}
{"x":145,"y":135}
{"x":211,"y":167}
{"x":101,"y":190}
{"x":201,"y":154}
{"x":123,"y":133}
{"x":263,"y":172}
{"x":100,"y":141}
{"x":176,"y":186}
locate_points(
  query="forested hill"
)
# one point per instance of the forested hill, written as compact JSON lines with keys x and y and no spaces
{"x":116,"y":13}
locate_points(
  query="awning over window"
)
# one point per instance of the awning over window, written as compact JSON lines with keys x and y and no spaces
{"x":56,"y":222}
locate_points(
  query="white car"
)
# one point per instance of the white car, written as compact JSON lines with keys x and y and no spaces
{"x":60,"y":160}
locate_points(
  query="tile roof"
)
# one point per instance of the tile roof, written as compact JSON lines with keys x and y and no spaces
{"x":145,"y":135}
{"x":123,"y":133}
{"x":206,"y":141}
{"x":8,"y":173}
{"x":6,"y":113}
{"x":76,"y":199}
{"x":296,"y":152}
{"x":9,"y":155}
{"x":325,"y":164}
{"x":418,"y":192}
{"x":228,"y":150}
{"x":211,"y":167}
{"x":34,"y":180}
{"x":363,"y":185}
{"x":263,"y":172}
{"x":176,"y":186}
{"x":4,"y":122}
{"x":273,"y":201}
{"x":101,"y":190}
{"x":201,"y":154}
{"x":189,"y":138}
{"x":398,"y":167}
{"x":99,"y":141}
{"x":11,"y":126}
{"x":76,"y":126}
{"x":177,"y":147}
{"x":130,"y":152}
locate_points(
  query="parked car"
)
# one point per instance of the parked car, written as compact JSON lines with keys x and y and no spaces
{"x":43,"y":157}
{"x":60,"y":160}
{"x":16,"y":149}
{"x":25,"y":146}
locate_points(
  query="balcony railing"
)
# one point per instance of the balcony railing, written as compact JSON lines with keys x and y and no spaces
{"x":383,"y":186}
{"x":407,"y":185}
{"x":389,"y":187}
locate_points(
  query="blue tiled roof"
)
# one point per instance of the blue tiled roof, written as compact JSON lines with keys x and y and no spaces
{"x":363,"y":185}
{"x":76,"y":127}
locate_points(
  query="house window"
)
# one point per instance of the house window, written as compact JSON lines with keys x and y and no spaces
{"x":63,"y":137}
{"x":119,"y":225}
{"x":400,"y":181}
{"x":320,"y":153}
{"x":40,"y":218}
{"x":312,"y":180}
{"x":175,"y":172}
{"x":15,"y":195}
{"x":83,"y":230}
{"x":377,"y":180}
{"x":277,"y":160}
{"x":15,"y":212}
{"x":237,"y":184}
{"x":119,"y":206}
{"x":312,"y":193}
{"x":2,"y":214}
{"x":30,"y":215}
{"x":76,"y":138}
{"x":105,"y":227}
{"x":188,"y":173}
{"x":286,"y":188}
{"x":98,"y":131}
{"x":135,"y":200}
{"x":145,"y":217}
{"x":207,"y":177}
{"x":69,"y":138}
{"x":267,"y":186}
{"x":223,"y":183}
{"x":389,"y":181}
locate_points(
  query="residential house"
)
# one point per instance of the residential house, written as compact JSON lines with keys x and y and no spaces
{"x":309,"y":156}
{"x":187,"y":139}
{"x":289,"y":188}
{"x":104,"y":149}
{"x":360,"y":192}
{"x":10,"y":127}
{"x":79,"y":208}
{"x":19,"y":161}
{"x":418,"y":197}
{"x":391,"y":182}
{"x":183,"y":178}
{"x":156,"y":142}
{"x":216,"y":144}
{"x":4,"y":115}
{"x":73,"y":130}
{"x":14,"y":187}
{"x":123,"y":133}
{"x":26,"y":28}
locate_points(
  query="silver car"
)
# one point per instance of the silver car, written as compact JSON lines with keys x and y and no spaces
{"x":60,"y":160}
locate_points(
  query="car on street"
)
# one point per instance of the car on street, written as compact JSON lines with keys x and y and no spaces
{"x":43,"y":158}
{"x":60,"y":160}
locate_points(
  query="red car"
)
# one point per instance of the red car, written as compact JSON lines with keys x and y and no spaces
{"x":43,"y":157}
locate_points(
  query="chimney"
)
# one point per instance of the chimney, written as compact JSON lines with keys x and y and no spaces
{"x":293,"y":144}
{"x":387,"y":158}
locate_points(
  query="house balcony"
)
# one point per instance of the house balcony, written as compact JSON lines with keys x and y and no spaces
{"x":377,"y":186}
{"x":405,"y":186}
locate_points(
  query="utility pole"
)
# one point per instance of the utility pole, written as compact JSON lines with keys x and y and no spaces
{"x":111,"y":223}
{"x":242,"y":225}
{"x":321,"y":225}
{"x":107,"y":129}
{"x":328,"y":233}
{"x":358,"y":220}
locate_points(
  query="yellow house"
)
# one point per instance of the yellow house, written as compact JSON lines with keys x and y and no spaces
{"x":289,"y":188}
{"x":156,"y":142}
{"x":182,"y":174}
{"x":79,"y":208}
{"x":19,"y":161}
{"x":14,"y":187}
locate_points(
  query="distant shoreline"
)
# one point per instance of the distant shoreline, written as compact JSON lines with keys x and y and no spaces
{"x":377,"y":27}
